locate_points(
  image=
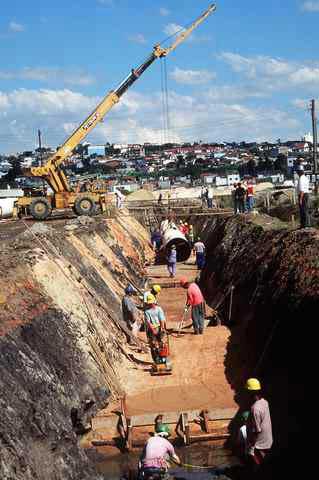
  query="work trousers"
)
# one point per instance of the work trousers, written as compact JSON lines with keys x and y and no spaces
{"x":198,"y":317}
{"x":241,"y":205}
{"x":210,"y":203}
{"x":171,"y":267}
{"x":304,"y":211}
{"x":250,"y":203}
{"x":200,"y":260}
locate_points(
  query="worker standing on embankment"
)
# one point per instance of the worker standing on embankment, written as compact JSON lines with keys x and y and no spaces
{"x":195,"y":300}
{"x":303,"y":197}
{"x":155,"y":323}
{"x":259,"y":428}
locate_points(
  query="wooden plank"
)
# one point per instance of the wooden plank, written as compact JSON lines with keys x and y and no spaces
{"x":187,"y":431}
{"x":129,"y":437}
{"x":182,"y":421}
{"x":205,"y":417}
{"x":173,"y":417}
{"x":208,"y":436}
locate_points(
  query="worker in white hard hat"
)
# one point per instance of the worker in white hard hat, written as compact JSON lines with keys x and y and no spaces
{"x":259,"y":428}
{"x":303,"y":197}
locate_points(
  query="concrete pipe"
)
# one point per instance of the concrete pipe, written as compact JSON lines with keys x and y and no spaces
{"x":173,"y":236}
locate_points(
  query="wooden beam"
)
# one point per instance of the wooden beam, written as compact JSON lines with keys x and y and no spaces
{"x":205,"y":418}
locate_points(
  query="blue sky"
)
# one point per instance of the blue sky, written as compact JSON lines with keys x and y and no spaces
{"x":247,"y":73}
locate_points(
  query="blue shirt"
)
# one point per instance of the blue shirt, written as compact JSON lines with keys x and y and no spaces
{"x":172,"y":256}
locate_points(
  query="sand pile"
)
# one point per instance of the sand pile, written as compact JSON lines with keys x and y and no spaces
{"x":140,"y":195}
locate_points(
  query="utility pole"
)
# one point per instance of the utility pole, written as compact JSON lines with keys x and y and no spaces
{"x":315,"y":142}
{"x":40,"y":147}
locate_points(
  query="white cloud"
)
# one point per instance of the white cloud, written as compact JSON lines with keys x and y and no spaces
{"x":16,"y":27}
{"x":164,"y":12}
{"x":137,"y":118}
{"x":274,"y":73}
{"x":192,"y":77}
{"x":301,"y":103}
{"x":137,"y":38}
{"x":172,"y":29}
{"x":49,"y":75}
{"x":231,"y":93}
{"x":310,"y":6}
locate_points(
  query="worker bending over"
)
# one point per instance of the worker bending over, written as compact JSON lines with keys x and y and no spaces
{"x":130,"y":312}
{"x":154,"y":323}
{"x":156,"y":454}
{"x":259,"y":428}
{"x":195,"y":300}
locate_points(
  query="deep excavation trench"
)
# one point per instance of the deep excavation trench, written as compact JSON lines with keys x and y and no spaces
{"x":64,"y":352}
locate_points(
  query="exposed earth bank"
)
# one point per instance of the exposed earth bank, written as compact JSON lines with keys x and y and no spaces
{"x":274,"y":273}
{"x":62,"y":343}
{"x":63,"y":347}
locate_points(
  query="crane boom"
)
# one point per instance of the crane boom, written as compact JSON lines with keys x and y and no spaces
{"x":52,"y":172}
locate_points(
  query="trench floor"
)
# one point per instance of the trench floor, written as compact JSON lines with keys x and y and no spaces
{"x":201,"y":379}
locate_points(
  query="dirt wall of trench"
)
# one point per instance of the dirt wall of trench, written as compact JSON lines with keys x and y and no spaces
{"x":275,"y":274}
{"x":62,"y":344}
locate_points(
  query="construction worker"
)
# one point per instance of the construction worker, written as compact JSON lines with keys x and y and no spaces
{"x":156,"y":454}
{"x":154,"y":323}
{"x":199,"y":250}
{"x":250,"y":196}
{"x":190,"y":237}
{"x":130,"y":312}
{"x":259,"y":429}
{"x":240,"y":194}
{"x":155,"y":290}
{"x":303,"y":197}
{"x":195,"y":300}
{"x":171,"y":261}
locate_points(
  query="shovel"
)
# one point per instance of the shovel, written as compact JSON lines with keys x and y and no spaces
{"x":181,"y":323}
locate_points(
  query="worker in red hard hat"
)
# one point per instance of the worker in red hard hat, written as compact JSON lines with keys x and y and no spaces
{"x":195,"y":300}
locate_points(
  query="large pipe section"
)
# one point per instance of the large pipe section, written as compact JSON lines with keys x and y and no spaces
{"x":171,"y":235}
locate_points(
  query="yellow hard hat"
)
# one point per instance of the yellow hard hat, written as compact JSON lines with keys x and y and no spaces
{"x":253,"y":384}
{"x":156,"y":288}
{"x":150,"y":299}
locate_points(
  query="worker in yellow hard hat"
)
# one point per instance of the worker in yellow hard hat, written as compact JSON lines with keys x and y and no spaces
{"x":155,"y":323}
{"x":154,"y":290}
{"x":259,"y":428}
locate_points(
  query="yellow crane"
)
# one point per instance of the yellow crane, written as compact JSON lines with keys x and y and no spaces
{"x":63,"y":195}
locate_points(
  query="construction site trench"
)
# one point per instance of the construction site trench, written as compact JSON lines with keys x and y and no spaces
{"x":68,"y":373}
